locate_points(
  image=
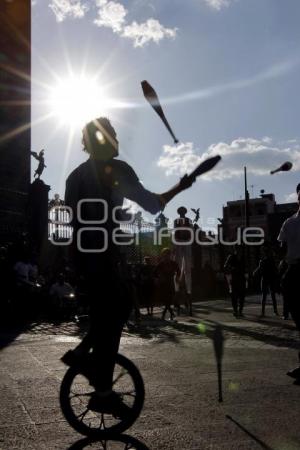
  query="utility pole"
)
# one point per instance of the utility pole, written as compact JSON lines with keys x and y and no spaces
{"x":247,"y":221}
{"x":246,"y":199}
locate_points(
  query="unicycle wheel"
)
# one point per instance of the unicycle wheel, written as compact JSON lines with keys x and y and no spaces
{"x":76,"y":391}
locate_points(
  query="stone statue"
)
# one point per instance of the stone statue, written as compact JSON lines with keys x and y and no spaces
{"x":197,"y":215}
{"x":56,"y":201}
{"x":41,"y":160}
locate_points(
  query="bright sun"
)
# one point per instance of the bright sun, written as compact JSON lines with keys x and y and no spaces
{"x":77,"y":100}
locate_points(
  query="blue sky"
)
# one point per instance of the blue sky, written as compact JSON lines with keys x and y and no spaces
{"x":226,"y":71}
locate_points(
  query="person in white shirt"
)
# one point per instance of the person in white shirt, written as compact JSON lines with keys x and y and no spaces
{"x":289,"y":237}
{"x":26,"y":270}
{"x":22,"y":271}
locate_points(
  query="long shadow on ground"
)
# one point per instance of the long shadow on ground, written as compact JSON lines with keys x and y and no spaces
{"x":175,"y":331}
{"x":255,"y":438}
{"x":203,"y":309}
{"x":121,"y":441}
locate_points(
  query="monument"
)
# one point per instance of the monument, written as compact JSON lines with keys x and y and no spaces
{"x":38,"y":206}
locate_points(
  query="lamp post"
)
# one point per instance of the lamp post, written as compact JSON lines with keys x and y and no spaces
{"x":247,"y":217}
{"x":247,"y":222}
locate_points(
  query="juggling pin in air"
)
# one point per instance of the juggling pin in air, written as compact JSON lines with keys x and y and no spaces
{"x":285,"y":167}
{"x":205,"y":166}
{"x":152,"y":97}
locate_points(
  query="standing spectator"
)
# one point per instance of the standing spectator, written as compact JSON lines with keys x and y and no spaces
{"x":24,"y":295}
{"x":21,"y":270}
{"x":289,"y":237}
{"x":146,"y":285}
{"x":166,"y":272}
{"x":281,"y":271}
{"x":130,"y":276}
{"x":61,"y":289}
{"x":183,"y":232}
{"x":61,"y":293}
{"x":33,"y":273}
{"x":208,"y":280}
{"x":235,"y":274}
{"x":267,"y":271}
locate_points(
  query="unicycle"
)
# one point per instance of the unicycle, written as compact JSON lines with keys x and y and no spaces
{"x":76,"y":391}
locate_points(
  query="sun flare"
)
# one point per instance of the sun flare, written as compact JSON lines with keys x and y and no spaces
{"x":77,"y":100}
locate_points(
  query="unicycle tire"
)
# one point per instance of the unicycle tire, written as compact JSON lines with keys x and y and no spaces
{"x":76,"y":391}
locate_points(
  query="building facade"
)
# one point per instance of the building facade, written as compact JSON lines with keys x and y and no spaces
{"x":15,"y":115}
{"x":264,"y":213}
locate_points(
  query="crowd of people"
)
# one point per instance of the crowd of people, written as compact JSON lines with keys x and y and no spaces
{"x":267,"y":276}
{"x":158,"y":282}
{"x":29,"y":293}
{"x":56,"y":292}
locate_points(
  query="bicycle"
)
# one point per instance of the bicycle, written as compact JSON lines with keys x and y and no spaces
{"x":76,"y":391}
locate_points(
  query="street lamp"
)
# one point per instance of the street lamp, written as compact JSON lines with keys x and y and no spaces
{"x":246,"y":199}
{"x":247,"y":222}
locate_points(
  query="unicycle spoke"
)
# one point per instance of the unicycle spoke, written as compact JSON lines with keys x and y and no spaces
{"x":82,"y":415}
{"x":102,"y":423}
{"x":88,"y":394}
{"x":129,"y":393}
{"x":123,"y":372}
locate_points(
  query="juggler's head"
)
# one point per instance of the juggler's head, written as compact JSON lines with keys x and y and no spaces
{"x":99,"y":139}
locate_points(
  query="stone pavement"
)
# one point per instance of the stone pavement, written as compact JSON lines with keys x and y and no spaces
{"x":261,"y":406}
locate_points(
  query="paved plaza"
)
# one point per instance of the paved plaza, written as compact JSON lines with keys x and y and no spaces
{"x":260,"y":408}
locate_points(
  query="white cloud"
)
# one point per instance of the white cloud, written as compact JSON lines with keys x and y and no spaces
{"x":260,"y":156}
{"x":111,"y":14}
{"x":63,"y":9}
{"x":179,"y":159}
{"x":218,"y":4}
{"x":151,"y":30}
{"x":291,"y":198}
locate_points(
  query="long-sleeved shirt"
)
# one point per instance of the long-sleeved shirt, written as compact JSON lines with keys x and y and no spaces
{"x":95,"y":182}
